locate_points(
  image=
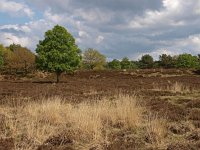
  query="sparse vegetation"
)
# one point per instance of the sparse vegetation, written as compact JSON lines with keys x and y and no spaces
{"x":176,"y":87}
{"x":131,"y":113}
{"x":85,"y":125}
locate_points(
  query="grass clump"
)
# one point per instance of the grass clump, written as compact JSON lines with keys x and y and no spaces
{"x":82,"y":125}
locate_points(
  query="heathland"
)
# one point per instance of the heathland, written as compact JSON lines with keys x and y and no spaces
{"x":113,"y":110}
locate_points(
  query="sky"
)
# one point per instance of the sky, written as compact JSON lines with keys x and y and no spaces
{"x":117,"y":28}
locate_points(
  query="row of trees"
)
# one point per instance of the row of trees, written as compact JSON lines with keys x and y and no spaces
{"x":146,"y":62}
{"x":58,"y":53}
{"x":15,"y":57}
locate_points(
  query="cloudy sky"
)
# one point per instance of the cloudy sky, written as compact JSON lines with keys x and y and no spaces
{"x":117,"y":28}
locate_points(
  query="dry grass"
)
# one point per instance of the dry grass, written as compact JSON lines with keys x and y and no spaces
{"x":179,"y":88}
{"x":176,"y":87}
{"x":156,"y":130}
{"x":86,"y":123}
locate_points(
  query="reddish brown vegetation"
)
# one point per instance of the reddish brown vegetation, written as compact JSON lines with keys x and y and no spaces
{"x":180,"y":108}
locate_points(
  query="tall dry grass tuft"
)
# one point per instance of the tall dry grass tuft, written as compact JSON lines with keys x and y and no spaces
{"x":86,"y":123}
{"x":156,"y":129}
{"x":177,"y":87}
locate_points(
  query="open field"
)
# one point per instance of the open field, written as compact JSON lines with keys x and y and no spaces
{"x":142,"y":109}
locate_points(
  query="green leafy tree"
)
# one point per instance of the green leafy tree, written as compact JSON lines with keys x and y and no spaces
{"x":166,"y":61}
{"x":147,"y":61}
{"x":58,"y":52}
{"x":93,"y":59}
{"x":187,"y":61}
{"x":114,"y":64}
{"x":134,"y":65}
{"x":125,"y":63}
{"x":1,"y":56}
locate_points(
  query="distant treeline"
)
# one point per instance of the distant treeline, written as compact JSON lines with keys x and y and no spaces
{"x":92,"y":59}
{"x":165,"y":61}
{"x":18,"y":59}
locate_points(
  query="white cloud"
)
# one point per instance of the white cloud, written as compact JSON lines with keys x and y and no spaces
{"x":8,"y":38}
{"x":173,"y":13}
{"x":13,"y":8}
{"x":116,"y":28}
{"x":99,"y":39}
{"x":10,"y":26}
{"x":53,"y":17}
{"x":27,"y":34}
{"x":15,"y":27}
{"x":95,"y":16}
{"x":83,"y":34}
{"x":191,"y":44}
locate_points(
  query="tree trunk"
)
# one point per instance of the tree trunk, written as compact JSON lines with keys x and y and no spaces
{"x":58,"y":77}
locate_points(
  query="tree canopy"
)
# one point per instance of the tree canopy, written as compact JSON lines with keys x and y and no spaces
{"x":114,"y":64}
{"x":58,"y":52}
{"x":93,"y":59}
{"x":187,"y":61}
{"x":24,"y":57}
{"x":147,"y":61}
{"x":9,"y":58}
{"x":1,"y":56}
{"x":166,"y":61}
{"x":127,"y":64}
